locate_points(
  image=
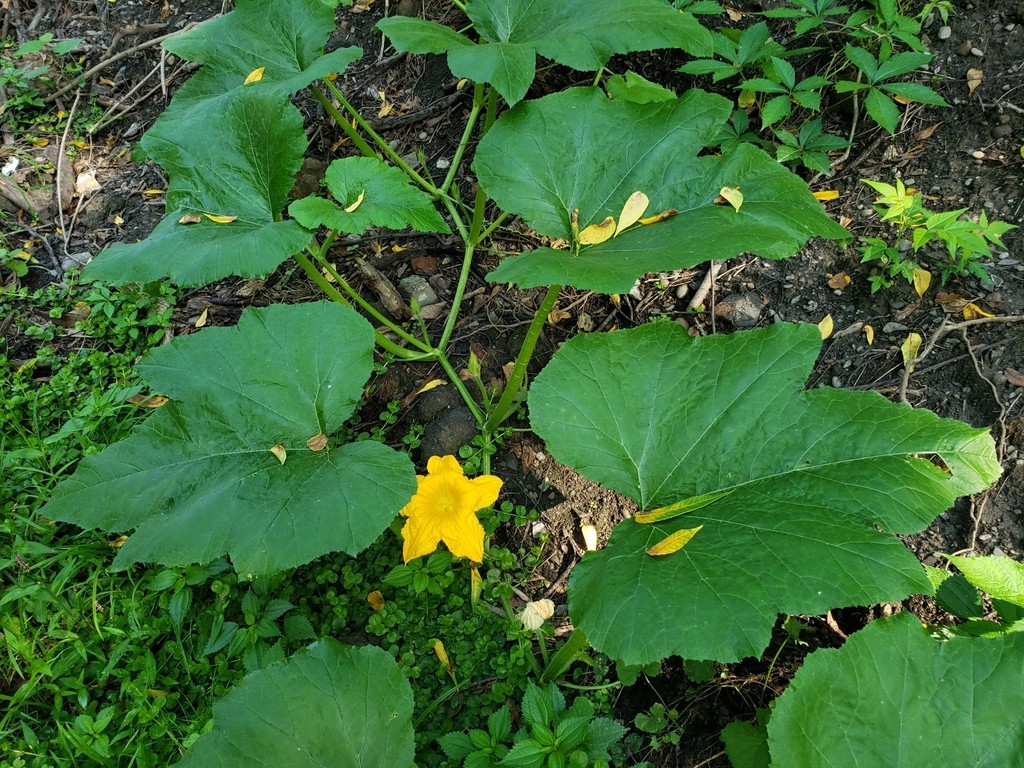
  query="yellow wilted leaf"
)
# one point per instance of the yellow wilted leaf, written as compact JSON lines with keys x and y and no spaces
{"x":679,"y":508}
{"x":746,"y":99}
{"x":327,"y":275}
{"x":615,"y":299}
{"x":357,"y":203}
{"x":557,"y":315}
{"x":279,"y":452}
{"x":118,"y":221}
{"x":922,"y":279}
{"x":148,"y":402}
{"x":375,"y":599}
{"x":838,"y":281}
{"x":152,"y":192}
{"x":317,"y":442}
{"x":972,"y":312}
{"x":869,"y":334}
{"x":910,"y":347}
{"x":673,"y":542}
{"x":825,"y":195}
{"x":255,"y":76}
{"x":826,"y":326}
{"x":632,"y":211}
{"x":476,"y":584}
{"x":201,"y":320}
{"x":668,"y":213}
{"x":220,"y":219}
{"x":589,"y":537}
{"x":598,"y":233}
{"x":442,"y":654}
{"x":432,"y":384}
{"x":118,"y":542}
{"x":974,"y":78}
{"x":461,"y":84}
{"x":732,"y":196}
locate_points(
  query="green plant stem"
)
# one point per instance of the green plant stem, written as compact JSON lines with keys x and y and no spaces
{"x":379,"y":141}
{"x":344,"y":124}
{"x":493,"y":226}
{"x":382,"y":341}
{"x":460,"y":150}
{"x":605,"y":687}
{"x":565,"y":656}
{"x":504,"y":407}
{"x":370,"y":309}
{"x":542,"y":644}
{"x":459,"y":385}
{"x":510,"y":614}
{"x":435,"y":704}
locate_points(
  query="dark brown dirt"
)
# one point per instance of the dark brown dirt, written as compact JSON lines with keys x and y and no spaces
{"x":965,"y":156}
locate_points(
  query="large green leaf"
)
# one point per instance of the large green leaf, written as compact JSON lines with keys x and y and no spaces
{"x":286,"y":39}
{"x":515,"y":31}
{"x":804,"y":489}
{"x":331,"y":705}
{"x":231,"y":148}
{"x":894,"y":696}
{"x":371,"y":194}
{"x":243,"y":164}
{"x":197,"y":479}
{"x":579,"y":150}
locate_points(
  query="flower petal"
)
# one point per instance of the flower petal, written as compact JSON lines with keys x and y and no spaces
{"x":421,"y":537}
{"x":465,"y":538}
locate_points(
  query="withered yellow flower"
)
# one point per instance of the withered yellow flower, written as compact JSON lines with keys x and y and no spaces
{"x":444,"y":509}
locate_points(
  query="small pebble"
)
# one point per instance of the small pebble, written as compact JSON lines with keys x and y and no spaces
{"x":997,"y":552}
{"x":977,"y":52}
{"x":945,"y":33}
{"x":443,"y":163}
{"x":978,"y":154}
{"x":1002,"y":131}
{"x":895,"y":328}
{"x":837,"y":382}
{"x":985,"y":537}
{"x":1010,"y":27}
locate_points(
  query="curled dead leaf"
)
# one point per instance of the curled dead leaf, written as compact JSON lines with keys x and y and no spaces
{"x":358,"y":201}
{"x":598,"y":233}
{"x":190,"y":218}
{"x":217,"y":219}
{"x":974,"y":78}
{"x":826,"y":326}
{"x":375,"y":599}
{"x":556,"y":315}
{"x":155,"y":401}
{"x":973,"y":312}
{"x":279,"y":452}
{"x":869,"y":334}
{"x":255,"y":76}
{"x":203,"y":317}
{"x":910,"y":347}
{"x":1014,"y":376}
{"x":838,"y":281}
{"x":317,"y":442}
{"x":951,"y":302}
{"x":730,"y":195}
{"x":668,"y":213}
{"x":632,"y":211}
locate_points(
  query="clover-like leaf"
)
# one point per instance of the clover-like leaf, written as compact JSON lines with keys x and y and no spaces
{"x":799,"y":492}
{"x":331,"y":704}
{"x":516,"y":31}
{"x":892,"y":695}
{"x":198,"y":479}
{"x":371,"y":193}
{"x":579,"y":150}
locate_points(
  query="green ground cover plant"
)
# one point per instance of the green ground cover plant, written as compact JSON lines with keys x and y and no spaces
{"x":757,"y":496}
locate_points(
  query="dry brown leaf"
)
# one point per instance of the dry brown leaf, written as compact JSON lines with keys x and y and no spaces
{"x":557,"y":315}
{"x":734,"y":14}
{"x":375,"y":599}
{"x":974,"y":78}
{"x":926,"y":133}
{"x":190,"y":218}
{"x":951,"y":302}
{"x":317,"y":442}
{"x":838,"y":281}
{"x":1014,"y":376}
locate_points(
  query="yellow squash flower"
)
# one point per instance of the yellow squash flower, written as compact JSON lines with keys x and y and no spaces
{"x":444,"y":509}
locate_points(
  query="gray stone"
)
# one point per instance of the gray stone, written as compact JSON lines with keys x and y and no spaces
{"x":418,"y":289}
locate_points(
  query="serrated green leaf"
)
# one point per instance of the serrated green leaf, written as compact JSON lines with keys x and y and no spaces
{"x":248,"y":161}
{"x":525,"y":754}
{"x":774,"y":110}
{"x":572,"y":731}
{"x":636,"y":88}
{"x":954,"y":593}
{"x":960,"y":698}
{"x":385,"y":197}
{"x":603,"y":733}
{"x":821,"y":481}
{"x":541,"y":704}
{"x":746,"y":745}
{"x":579,"y":150}
{"x":1001,"y":577}
{"x":499,"y":723}
{"x":516,"y":31}
{"x":197,"y":479}
{"x":329,"y":705}
{"x":882,"y":109}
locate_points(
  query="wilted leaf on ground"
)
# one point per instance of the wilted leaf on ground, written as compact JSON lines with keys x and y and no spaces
{"x":892,"y":695}
{"x":812,"y":484}
{"x":198,"y":480}
{"x":331,"y":704}
{"x":910,"y":348}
